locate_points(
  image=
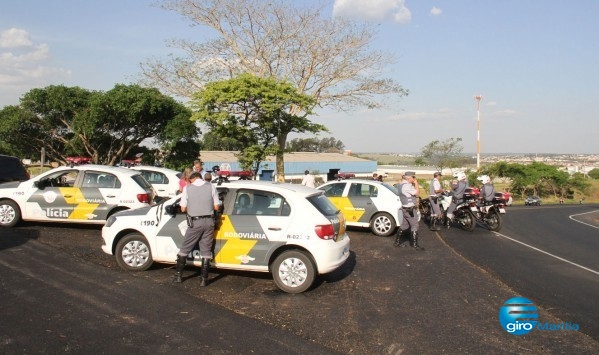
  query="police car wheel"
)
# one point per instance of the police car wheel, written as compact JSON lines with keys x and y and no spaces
{"x":382,"y":224}
{"x":133,"y":253}
{"x":10,"y":214}
{"x":293,"y":271}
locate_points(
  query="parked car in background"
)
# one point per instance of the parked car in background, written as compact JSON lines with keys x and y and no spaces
{"x":79,"y":194}
{"x":532,"y":201}
{"x":366,"y":203}
{"x":12,"y":169}
{"x":292,"y":231}
{"x":165,"y":181}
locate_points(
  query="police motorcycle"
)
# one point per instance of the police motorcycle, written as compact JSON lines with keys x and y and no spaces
{"x":488,"y":213}
{"x":464,"y":212}
{"x":463,"y":215}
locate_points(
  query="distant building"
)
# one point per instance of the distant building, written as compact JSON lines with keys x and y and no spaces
{"x":296,"y":163}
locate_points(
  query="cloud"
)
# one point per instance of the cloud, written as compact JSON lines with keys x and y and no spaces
{"x":24,"y":65}
{"x":373,"y":10}
{"x":435,"y":11}
{"x":14,"y":37}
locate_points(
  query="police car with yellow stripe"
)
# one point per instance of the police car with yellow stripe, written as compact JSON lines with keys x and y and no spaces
{"x":78,"y":194}
{"x":292,"y":231}
{"x":366,"y":203}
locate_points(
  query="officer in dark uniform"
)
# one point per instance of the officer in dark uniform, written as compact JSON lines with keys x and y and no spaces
{"x":408,"y":195}
{"x":199,"y":199}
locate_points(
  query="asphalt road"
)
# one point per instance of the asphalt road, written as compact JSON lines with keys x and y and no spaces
{"x":60,"y":292}
{"x":548,"y":254}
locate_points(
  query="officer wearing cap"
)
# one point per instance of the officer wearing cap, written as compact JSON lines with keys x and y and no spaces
{"x":408,"y":195}
{"x":434,"y":194}
{"x":199,"y":200}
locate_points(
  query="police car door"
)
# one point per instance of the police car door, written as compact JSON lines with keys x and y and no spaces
{"x":99,"y":194}
{"x":54,"y":197}
{"x":361,"y":199}
{"x":249,"y":232}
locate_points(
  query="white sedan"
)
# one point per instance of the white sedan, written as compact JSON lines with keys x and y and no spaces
{"x":165,"y":181}
{"x":292,"y":231}
{"x":366,"y":203}
{"x":78,"y":194}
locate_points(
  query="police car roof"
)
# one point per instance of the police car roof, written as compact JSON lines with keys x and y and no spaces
{"x":102,"y":168}
{"x":271,"y":185}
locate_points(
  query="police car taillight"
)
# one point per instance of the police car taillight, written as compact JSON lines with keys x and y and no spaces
{"x":143,"y":198}
{"x":325,"y":231}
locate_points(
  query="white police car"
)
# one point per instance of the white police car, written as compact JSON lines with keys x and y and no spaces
{"x":165,"y":181}
{"x":292,"y":231}
{"x":78,"y":194}
{"x":366,"y":203}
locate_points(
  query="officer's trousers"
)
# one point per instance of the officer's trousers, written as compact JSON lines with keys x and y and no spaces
{"x":201,"y":232}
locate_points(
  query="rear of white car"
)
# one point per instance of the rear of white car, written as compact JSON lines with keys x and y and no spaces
{"x":291,"y":231}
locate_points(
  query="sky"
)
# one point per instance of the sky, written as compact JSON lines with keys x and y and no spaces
{"x":535,"y":63}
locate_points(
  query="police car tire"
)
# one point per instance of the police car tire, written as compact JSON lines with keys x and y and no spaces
{"x":293,"y":271}
{"x":10,"y":214}
{"x":131,"y":249}
{"x":382,"y":224}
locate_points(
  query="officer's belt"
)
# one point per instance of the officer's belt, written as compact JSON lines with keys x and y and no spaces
{"x":200,"y":217}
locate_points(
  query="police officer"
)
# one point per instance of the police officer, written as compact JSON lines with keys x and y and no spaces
{"x":458,"y":190}
{"x":408,"y":195}
{"x":434,"y":194}
{"x":199,"y":200}
{"x":487,"y":192}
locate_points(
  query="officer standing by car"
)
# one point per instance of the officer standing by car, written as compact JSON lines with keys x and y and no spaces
{"x":200,"y":201}
{"x":408,"y":195}
{"x":434,"y":194}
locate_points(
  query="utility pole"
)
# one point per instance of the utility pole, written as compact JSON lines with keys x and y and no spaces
{"x":478,"y":98}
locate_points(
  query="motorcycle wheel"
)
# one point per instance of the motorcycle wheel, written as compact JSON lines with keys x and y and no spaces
{"x":493,"y":220}
{"x":466,"y":220}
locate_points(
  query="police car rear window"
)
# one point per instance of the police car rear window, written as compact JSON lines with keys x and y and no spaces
{"x":141,"y":181}
{"x":323,"y":205}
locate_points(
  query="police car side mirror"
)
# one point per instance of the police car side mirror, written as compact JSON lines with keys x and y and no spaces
{"x":41,"y":184}
{"x":171,"y":210}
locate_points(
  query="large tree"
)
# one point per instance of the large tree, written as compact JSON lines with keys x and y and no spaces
{"x":257,"y":112}
{"x":106,"y":126}
{"x":328,"y":59}
{"x":445,"y":154}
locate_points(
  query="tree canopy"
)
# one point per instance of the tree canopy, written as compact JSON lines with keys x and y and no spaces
{"x":106,"y":126}
{"x":255,"y":112}
{"x":324,"y":145}
{"x":445,"y":154}
{"x":328,"y":59}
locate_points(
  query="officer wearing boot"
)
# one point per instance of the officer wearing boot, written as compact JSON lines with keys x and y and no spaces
{"x":200,"y":201}
{"x":434,"y":194}
{"x":408,"y":195}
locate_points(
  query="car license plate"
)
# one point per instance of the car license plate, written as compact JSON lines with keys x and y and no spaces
{"x":501,"y":210}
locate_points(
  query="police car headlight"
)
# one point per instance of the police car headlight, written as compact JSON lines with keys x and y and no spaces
{"x":110,"y":221}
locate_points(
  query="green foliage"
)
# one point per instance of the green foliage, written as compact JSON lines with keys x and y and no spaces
{"x":594,"y":173}
{"x":446,"y":154}
{"x":538,"y":179}
{"x":324,"y":145}
{"x":257,"y":112}
{"x":106,"y":126}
